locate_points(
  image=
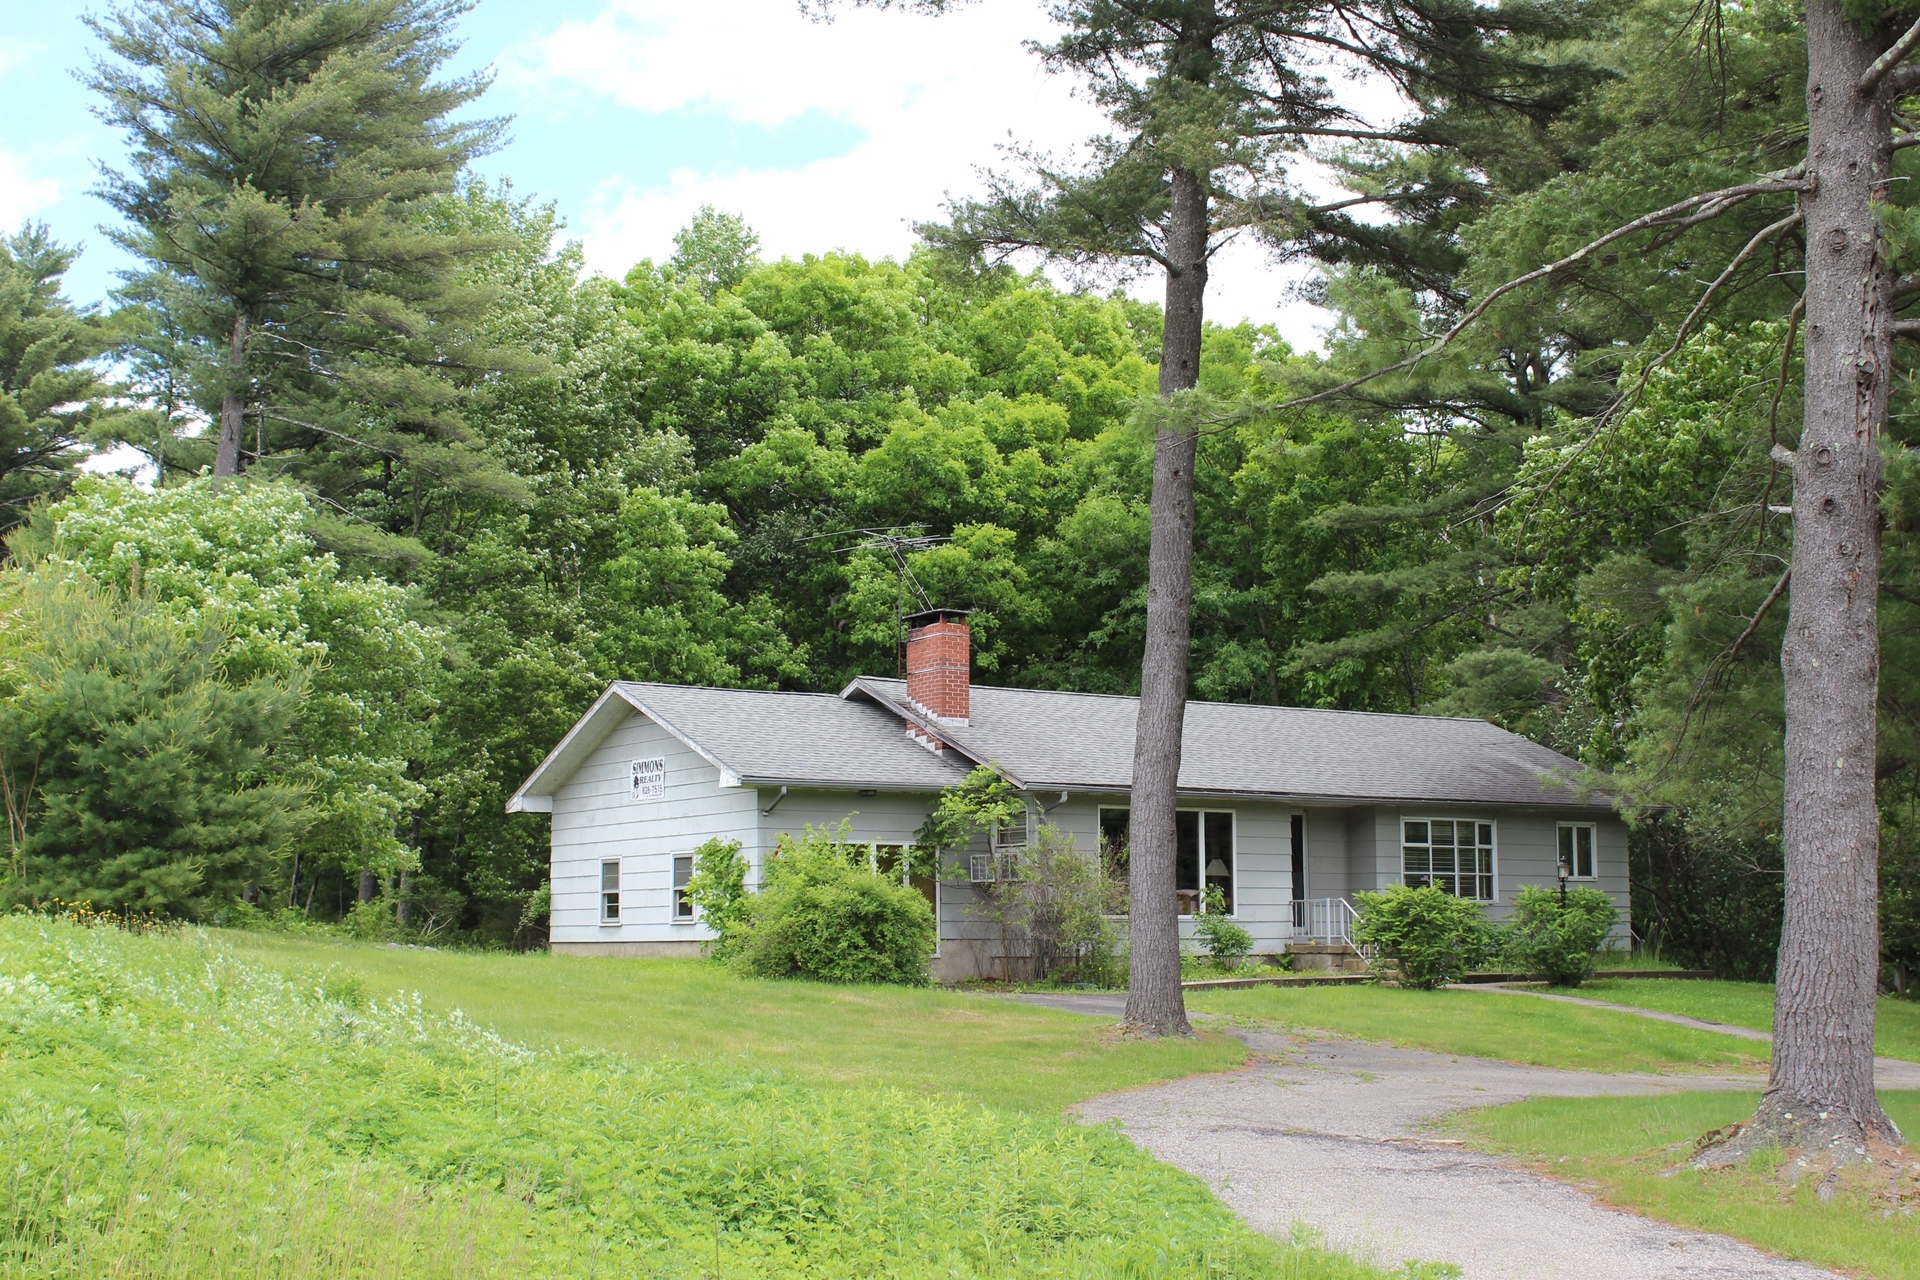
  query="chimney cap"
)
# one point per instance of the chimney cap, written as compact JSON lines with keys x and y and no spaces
{"x":927,"y":617}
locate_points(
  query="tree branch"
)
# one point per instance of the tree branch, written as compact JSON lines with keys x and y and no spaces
{"x":1716,"y":202}
{"x":1773,"y":413}
{"x":1870,"y":78}
{"x":1363,"y":135}
{"x":1758,"y":615}
{"x":1901,"y":81}
{"x":1716,"y":669}
{"x":1706,"y":299}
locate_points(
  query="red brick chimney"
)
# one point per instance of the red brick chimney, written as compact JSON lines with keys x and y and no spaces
{"x":939,"y":658}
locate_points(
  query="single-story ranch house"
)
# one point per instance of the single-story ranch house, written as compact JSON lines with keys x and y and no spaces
{"x":1288,"y":811}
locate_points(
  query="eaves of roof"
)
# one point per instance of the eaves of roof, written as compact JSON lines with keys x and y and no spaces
{"x":588,"y":732}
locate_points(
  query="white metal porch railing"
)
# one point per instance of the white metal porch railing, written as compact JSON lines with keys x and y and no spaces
{"x":1327,"y":920}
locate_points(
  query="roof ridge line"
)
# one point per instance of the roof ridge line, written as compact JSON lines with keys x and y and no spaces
{"x":1211,"y":702}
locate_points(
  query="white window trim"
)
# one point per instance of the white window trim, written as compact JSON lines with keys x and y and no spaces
{"x":1400,"y":844}
{"x":619,"y":875}
{"x":1591,"y":826}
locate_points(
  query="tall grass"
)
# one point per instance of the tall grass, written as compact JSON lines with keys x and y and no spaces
{"x":930,"y":1042}
{"x":166,"y":1109}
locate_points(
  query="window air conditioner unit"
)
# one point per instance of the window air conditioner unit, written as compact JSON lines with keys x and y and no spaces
{"x":987,"y":868}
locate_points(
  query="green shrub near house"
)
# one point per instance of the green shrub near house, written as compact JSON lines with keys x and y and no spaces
{"x":1557,"y":935}
{"x":718,"y":890}
{"x":823,"y":911}
{"x":1430,"y":936}
{"x":1226,"y":944}
{"x":1052,"y":909}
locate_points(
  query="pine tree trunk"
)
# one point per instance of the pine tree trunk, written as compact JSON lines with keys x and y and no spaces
{"x":1820,"y":1096}
{"x":233,"y":408}
{"x":1154,"y":1002}
{"x":369,"y":887}
{"x":403,"y":909}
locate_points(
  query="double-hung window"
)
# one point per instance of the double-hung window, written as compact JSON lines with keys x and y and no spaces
{"x":1451,"y":855}
{"x":682,"y":877}
{"x":610,"y":892}
{"x":1576,"y":850}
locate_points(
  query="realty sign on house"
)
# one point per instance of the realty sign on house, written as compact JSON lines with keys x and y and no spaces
{"x":650,"y":778}
{"x":1286,"y":811}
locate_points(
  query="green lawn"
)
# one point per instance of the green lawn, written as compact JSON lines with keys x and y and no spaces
{"x":1488,"y":1024}
{"x":1630,"y":1151}
{"x":1007,"y":1055}
{"x":170,"y":1109}
{"x":1750,"y":1004}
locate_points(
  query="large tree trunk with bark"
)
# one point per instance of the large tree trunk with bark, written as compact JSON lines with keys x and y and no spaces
{"x":1154,"y":1003}
{"x":1820,"y":1097}
{"x":233,"y":406}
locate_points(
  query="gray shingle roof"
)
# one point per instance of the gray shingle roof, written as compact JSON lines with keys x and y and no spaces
{"x":797,"y":737}
{"x":1079,"y":741}
{"x":1075,"y":742}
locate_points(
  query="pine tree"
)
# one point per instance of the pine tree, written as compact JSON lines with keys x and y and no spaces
{"x":135,"y":771}
{"x":50,"y":397}
{"x":1211,"y":100}
{"x":282,"y":152}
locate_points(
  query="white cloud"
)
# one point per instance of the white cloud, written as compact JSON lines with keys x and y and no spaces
{"x":21,"y":194}
{"x":763,"y":62}
{"x":935,"y":98}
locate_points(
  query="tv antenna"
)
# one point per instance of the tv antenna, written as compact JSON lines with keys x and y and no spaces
{"x":898,"y":541}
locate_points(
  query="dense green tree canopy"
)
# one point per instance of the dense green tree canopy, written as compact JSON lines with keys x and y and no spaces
{"x":522,"y":481}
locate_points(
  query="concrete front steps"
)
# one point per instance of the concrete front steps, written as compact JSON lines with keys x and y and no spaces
{"x":1326,"y":957}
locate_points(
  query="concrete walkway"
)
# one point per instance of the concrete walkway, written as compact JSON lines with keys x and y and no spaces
{"x":1888,"y":1073}
{"x":1331,"y":1133}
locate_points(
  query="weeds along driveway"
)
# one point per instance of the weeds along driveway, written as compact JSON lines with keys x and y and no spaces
{"x":1328,"y":1133}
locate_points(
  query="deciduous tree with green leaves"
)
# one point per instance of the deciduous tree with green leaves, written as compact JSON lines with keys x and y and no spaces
{"x":237,"y":562}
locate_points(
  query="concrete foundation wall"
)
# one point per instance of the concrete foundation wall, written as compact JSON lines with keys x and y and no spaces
{"x":645,"y":950}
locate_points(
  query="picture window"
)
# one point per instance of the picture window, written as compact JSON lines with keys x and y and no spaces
{"x":1203,"y":853}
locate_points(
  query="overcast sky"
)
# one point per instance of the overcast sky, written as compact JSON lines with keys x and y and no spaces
{"x":630,"y":114}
